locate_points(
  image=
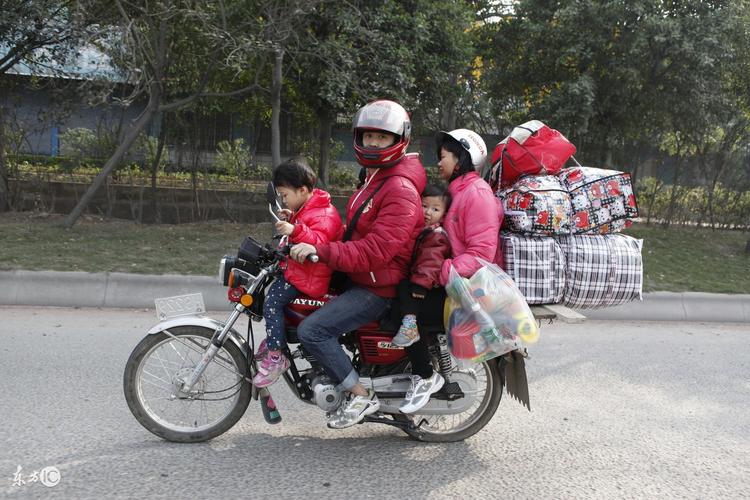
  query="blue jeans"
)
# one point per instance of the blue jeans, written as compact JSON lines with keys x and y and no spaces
{"x":280,"y":293}
{"x":320,"y":332}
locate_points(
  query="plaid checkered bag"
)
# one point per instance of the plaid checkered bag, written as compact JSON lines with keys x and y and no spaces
{"x":536,"y":265}
{"x":538,"y":205}
{"x":602,"y":270}
{"x":602,"y":200}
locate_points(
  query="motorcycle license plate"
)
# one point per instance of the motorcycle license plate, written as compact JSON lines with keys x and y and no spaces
{"x":179,"y":305}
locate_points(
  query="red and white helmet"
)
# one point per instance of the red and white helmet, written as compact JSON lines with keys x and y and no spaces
{"x":387,"y":116}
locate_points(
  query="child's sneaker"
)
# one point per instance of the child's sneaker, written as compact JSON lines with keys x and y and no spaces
{"x":262,"y":350}
{"x":420,"y":391}
{"x":354,"y":410}
{"x":270,"y":369}
{"x":408,"y":333}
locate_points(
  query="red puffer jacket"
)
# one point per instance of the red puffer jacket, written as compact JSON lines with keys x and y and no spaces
{"x":432,"y":248}
{"x":317,"y":222}
{"x":379,"y":253}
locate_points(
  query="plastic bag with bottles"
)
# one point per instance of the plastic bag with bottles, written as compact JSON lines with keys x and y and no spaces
{"x":486,"y":315}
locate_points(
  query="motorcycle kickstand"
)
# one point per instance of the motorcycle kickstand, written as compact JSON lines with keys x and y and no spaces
{"x":407,"y":425}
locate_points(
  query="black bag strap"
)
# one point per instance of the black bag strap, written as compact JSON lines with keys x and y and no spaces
{"x":355,"y":218}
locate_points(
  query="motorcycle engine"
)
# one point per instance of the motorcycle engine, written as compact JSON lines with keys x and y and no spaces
{"x":325,"y":394}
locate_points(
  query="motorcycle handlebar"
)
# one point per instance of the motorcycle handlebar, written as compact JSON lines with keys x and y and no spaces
{"x":284,"y":251}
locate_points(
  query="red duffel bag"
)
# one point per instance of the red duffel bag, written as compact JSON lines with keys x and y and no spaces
{"x":531,"y":148}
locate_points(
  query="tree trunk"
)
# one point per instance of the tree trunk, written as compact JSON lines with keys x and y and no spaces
{"x":652,"y":201}
{"x":276,"y":107}
{"x":127,"y":141}
{"x":673,"y":196}
{"x":448,"y":116}
{"x":155,"y":168}
{"x":4,"y":190}
{"x":718,"y":170}
{"x":326,"y":122}
{"x":448,"y":113}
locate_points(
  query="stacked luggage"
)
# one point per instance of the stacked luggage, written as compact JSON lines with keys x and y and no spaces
{"x":560,"y":236}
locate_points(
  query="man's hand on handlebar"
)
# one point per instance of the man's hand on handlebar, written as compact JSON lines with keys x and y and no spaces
{"x":302,"y":251}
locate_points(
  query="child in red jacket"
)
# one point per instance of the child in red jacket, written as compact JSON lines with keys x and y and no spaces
{"x":431,"y":249}
{"x":310,"y":218}
{"x":416,"y":295}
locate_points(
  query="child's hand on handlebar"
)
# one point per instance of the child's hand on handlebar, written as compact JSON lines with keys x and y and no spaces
{"x":283,"y":227}
{"x":301,"y":251}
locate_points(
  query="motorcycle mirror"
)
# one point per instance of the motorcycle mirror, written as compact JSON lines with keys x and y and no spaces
{"x":273,"y":200}
{"x":271,"y":196}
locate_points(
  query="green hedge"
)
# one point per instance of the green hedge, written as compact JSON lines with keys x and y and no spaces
{"x":731,"y":207}
{"x":63,"y":169}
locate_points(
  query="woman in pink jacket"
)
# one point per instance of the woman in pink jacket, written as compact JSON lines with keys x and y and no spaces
{"x":473,"y":220}
{"x":473,"y":226}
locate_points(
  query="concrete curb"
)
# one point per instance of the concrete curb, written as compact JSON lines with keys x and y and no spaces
{"x":77,"y":289}
{"x":687,"y":306}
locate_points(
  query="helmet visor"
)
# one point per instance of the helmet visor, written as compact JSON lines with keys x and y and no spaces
{"x":382,"y":116}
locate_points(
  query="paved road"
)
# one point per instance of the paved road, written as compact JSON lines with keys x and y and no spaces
{"x":620,"y":410}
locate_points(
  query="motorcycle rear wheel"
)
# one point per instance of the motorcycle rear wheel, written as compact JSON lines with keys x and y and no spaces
{"x":451,"y":428}
{"x":153,"y":378}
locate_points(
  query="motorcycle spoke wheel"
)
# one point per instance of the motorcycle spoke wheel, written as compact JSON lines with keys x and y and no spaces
{"x":153,"y":385}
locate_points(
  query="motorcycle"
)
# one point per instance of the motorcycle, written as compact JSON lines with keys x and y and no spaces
{"x":190,"y":378}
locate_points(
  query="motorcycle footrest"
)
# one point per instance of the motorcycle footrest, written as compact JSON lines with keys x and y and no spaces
{"x":449,"y":392}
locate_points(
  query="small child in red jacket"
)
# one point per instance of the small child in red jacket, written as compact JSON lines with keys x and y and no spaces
{"x":430,"y":250}
{"x":310,"y":218}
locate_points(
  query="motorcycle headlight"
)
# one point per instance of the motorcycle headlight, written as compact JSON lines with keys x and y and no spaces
{"x":239,"y":278}
{"x":234,"y":271}
{"x":225,"y":265}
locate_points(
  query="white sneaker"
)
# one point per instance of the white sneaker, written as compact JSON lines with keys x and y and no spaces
{"x":354,"y":410}
{"x":420,"y":391}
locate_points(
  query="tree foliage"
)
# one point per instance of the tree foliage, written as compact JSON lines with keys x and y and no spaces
{"x":629,"y":82}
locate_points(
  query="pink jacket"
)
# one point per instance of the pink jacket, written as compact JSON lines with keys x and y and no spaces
{"x":473,"y":226}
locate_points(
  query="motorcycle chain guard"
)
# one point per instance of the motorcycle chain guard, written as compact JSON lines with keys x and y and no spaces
{"x":392,"y":389}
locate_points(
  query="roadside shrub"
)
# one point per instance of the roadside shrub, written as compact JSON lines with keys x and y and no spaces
{"x":258,"y":173}
{"x":232,"y":158}
{"x":77,"y":144}
{"x":731,"y":207}
{"x":343,"y":177}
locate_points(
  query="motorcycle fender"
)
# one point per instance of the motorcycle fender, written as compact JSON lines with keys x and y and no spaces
{"x":513,"y":370}
{"x":202,"y":322}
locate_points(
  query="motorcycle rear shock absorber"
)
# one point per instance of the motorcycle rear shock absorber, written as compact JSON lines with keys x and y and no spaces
{"x":444,"y":355}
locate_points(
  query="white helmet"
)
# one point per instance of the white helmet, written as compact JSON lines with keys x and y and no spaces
{"x":470,"y":141}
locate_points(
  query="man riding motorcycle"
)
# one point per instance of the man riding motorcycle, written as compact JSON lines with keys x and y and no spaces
{"x":384,"y":218}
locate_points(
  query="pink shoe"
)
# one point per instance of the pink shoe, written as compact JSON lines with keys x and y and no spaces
{"x":262,"y":350}
{"x":270,"y":370}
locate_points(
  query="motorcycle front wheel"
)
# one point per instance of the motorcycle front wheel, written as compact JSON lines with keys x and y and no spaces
{"x":153,"y":380}
{"x":487,"y":391}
